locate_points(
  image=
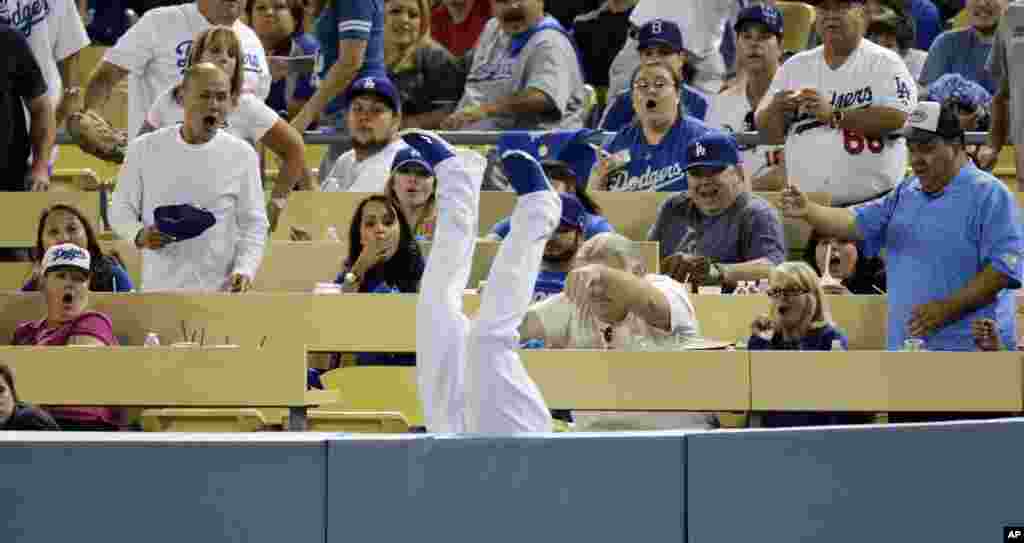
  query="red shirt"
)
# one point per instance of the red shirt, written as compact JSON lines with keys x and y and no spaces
{"x":459,"y":38}
{"x":89,"y":323}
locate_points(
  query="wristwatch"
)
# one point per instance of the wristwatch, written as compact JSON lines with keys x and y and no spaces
{"x":352,"y":278}
{"x":837,"y":118}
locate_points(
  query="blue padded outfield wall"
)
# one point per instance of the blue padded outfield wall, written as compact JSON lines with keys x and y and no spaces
{"x":950,"y":483}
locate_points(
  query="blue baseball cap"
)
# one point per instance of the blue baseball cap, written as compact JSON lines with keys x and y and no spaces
{"x":573,"y":149}
{"x":409,"y":155}
{"x":573,"y":213}
{"x":381,"y":86}
{"x":183,"y":221}
{"x":713,"y":149}
{"x":767,"y":15}
{"x":660,"y":32}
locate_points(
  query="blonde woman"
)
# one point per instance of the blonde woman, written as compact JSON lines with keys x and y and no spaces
{"x":412,"y":186}
{"x":428,"y":77}
{"x":799,"y":321}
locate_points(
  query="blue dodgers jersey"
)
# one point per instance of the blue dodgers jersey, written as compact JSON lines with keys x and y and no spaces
{"x":549,"y":283}
{"x":621,"y":114}
{"x":350,"y":20}
{"x":654,"y":167}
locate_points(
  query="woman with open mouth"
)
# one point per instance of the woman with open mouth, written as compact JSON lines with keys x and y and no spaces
{"x":250,"y":120}
{"x":650,"y":153}
{"x":799,"y":320}
{"x":64,"y":283}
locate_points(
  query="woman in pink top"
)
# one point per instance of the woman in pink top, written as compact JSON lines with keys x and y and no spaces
{"x":65,"y":287}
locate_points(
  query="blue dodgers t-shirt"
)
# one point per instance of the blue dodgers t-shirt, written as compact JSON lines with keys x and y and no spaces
{"x":935,"y":244}
{"x":592,"y":226}
{"x":654,"y":167}
{"x":351,"y":20}
{"x":621,"y":114}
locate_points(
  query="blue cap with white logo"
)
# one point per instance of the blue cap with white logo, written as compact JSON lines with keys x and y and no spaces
{"x":765,"y":14}
{"x":409,"y":155}
{"x":573,"y":213}
{"x":713,"y":149}
{"x":381,"y":86}
{"x":660,"y":32}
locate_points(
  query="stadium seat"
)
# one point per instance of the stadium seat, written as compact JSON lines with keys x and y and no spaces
{"x":203,"y":420}
{"x":377,"y":389}
{"x":798,"y":18}
{"x":14,"y":274}
{"x":83,"y":179}
{"x":363,"y":422}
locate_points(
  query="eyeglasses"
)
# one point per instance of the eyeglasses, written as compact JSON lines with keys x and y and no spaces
{"x":658,"y":84}
{"x":786,"y":292}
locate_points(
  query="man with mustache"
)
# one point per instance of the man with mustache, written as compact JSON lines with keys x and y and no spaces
{"x":965,"y":51}
{"x":373,"y":115}
{"x":951,"y":233}
{"x":154,"y":53}
{"x":525,"y":74}
{"x":1007,"y":66}
{"x":836,"y":106}
{"x":215,"y":241}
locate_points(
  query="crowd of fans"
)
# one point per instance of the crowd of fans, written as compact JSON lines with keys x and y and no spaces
{"x":631,"y":95}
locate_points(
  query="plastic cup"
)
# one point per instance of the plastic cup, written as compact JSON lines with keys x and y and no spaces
{"x":913,"y":344}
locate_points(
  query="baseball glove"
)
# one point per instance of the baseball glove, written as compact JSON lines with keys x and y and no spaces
{"x":95,"y":136}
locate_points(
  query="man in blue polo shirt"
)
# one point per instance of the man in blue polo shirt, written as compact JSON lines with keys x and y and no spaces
{"x":659,"y":40}
{"x":952,"y":235}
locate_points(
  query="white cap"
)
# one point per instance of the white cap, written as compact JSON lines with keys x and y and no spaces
{"x":66,"y":255}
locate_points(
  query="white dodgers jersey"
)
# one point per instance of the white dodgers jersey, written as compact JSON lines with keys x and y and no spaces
{"x":844,"y":163}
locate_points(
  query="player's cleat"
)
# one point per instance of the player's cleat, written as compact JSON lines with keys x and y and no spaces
{"x":434,"y":149}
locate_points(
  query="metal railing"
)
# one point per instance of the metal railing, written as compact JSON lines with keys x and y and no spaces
{"x":490,"y":138}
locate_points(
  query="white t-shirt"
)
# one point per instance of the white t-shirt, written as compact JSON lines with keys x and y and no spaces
{"x":222,"y":176}
{"x":842,"y":163}
{"x":54,"y":31}
{"x":370,"y":175}
{"x":730,"y":111}
{"x":155,"y":51}
{"x":563,"y":328}
{"x":915,"y":59}
{"x":250,"y":121}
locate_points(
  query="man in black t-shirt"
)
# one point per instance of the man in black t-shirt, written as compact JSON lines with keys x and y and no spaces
{"x":22,"y":86}
{"x":600,"y":35}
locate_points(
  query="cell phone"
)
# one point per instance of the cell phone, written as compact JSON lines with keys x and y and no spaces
{"x":303,"y":64}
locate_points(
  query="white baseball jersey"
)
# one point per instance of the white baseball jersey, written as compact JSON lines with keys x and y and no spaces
{"x":155,"y":51}
{"x":841,"y":162}
{"x":732,"y":112}
{"x":250,"y":121}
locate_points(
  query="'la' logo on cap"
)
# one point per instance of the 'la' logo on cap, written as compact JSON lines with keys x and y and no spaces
{"x":700,"y":151}
{"x":369,"y":84}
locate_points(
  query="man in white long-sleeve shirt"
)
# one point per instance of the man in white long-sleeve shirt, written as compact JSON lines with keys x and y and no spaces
{"x":195,"y":163}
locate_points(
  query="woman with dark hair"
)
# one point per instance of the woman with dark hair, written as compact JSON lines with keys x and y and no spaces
{"x":847,"y":264}
{"x":16,"y":415}
{"x":383,"y":256}
{"x":65,"y":224}
{"x":280,"y":27}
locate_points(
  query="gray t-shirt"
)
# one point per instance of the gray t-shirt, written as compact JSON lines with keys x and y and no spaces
{"x":547,"y":63}
{"x":748,"y":230}
{"x":1007,"y":60}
